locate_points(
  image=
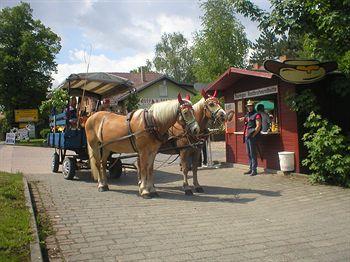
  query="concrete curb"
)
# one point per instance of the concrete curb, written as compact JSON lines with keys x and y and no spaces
{"x":35,"y":251}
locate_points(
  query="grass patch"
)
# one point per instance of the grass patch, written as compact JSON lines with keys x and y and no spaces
{"x":32,"y":142}
{"x":15,"y":231}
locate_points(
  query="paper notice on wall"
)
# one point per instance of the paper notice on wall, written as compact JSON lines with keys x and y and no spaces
{"x":240,"y":107}
{"x":230,"y":123}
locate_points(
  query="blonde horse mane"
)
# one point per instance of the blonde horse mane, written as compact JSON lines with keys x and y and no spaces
{"x":163,"y":111}
{"x":199,"y":105}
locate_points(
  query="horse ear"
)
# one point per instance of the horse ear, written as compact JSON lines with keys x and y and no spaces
{"x":215,"y":93}
{"x":204,"y":94}
{"x":188,"y":97}
{"x":179,"y":98}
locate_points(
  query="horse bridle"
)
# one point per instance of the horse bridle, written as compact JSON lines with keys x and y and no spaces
{"x":188,"y":124}
{"x":206,"y":107}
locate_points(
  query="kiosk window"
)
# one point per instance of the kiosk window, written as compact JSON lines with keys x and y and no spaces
{"x":269,"y":110}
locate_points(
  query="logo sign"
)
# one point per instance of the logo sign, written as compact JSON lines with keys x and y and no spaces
{"x":300,"y":71}
{"x":10,"y":138}
{"x":26,"y":115}
{"x":256,"y":92}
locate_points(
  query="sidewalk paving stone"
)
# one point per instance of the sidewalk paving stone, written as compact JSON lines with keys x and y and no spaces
{"x":238,"y":218}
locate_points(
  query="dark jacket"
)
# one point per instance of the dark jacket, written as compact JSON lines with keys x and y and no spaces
{"x":250,"y":123}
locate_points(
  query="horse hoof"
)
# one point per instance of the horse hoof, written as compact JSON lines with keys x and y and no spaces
{"x":154,"y":194}
{"x":146,"y":196}
{"x":188,"y":192}
{"x":103,"y":188}
{"x":199,"y":189}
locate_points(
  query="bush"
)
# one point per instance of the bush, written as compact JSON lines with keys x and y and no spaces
{"x":328,"y":152}
{"x":4,"y":127}
{"x":44,"y":132}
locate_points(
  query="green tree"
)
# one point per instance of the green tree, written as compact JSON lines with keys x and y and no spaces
{"x":266,"y":47}
{"x":173,"y":57}
{"x":58,"y":100}
{"x":27,"y":53}
{"x":323,"y":25}
{"x":221,"y":43}
{"x":146,"y":68}
{"x":132,"y":102}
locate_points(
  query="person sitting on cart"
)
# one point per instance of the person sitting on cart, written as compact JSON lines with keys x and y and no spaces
{"x":106,"y":105}
{"x":72,"y":116}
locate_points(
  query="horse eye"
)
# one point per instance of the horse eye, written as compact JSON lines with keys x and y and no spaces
{"x":211,"y":104}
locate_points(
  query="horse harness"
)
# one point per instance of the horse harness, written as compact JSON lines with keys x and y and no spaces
{"x":150,"y":127}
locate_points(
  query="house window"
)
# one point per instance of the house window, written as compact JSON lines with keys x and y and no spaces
{"x":163,"y":89}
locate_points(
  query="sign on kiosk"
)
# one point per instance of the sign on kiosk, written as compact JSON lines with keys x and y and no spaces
{"x":26,"y":115}
{"x":256,"y":92}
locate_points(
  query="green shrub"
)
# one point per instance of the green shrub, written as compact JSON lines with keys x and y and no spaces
{"x":44,"y":132}
{"x":302,"y":103}
{"x":328,"y":152}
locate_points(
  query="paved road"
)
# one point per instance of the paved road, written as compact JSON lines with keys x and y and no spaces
{"x":238,"y":218}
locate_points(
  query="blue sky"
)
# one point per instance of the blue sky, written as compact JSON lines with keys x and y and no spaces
{"x":121,"y":34}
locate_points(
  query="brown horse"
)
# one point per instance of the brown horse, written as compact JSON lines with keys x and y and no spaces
{"x":142,"y":132}
{"x":205,"y":110}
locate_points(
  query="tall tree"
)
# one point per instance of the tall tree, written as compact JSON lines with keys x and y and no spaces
{"x":221,"y":43}
{"x":173,"y":57}
{"x":323,"y":25}
{"x":27,"y":53}
{"x":269,"y":46}
{"x":266,"y":47}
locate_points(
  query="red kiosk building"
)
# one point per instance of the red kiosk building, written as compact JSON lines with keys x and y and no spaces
{"x":239,"y":85}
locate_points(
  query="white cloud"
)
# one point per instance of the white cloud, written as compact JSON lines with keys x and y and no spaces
{"x":175,"y":23}
{"x":98,"y":63}
{"x":117,"y":27}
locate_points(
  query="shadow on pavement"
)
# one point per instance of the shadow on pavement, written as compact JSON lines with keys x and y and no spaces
{"x":130,"y":178}
{"x":171,"y":192}
{"x":165,"y":193}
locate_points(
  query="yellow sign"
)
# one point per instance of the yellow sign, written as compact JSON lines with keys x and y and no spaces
{"x":26,"y":115}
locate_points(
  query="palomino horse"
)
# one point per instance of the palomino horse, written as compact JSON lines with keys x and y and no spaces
{"x":142,"y":131}
{"x":205,"y":110}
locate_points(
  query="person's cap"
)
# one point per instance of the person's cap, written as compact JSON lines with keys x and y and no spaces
{"x":250,"y":103}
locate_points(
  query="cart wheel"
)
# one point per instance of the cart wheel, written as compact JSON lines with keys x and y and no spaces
{"x":68,"y":168}
{"x":55,"y":163}
{"x":116,"y":169}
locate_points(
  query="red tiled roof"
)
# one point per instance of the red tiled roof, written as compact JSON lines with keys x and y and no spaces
{"x":136,"y":77}
{"x":233,"y":74}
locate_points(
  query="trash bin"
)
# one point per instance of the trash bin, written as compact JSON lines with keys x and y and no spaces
{"x":286,"y":161}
